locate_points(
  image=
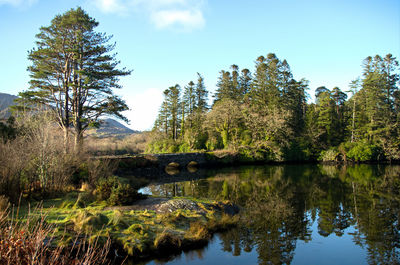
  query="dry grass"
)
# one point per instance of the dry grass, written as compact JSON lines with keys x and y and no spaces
{"x":168,"y":242}
{"x":35,"y":162}
{"x":34,"y":241}
{"x":132,"y":144}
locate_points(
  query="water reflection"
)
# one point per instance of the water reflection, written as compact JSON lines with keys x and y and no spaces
{"x":285,"y":205}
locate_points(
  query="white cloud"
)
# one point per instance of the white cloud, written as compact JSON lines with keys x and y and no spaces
{"x":184,"y":15}
{"x":110,"y":6}
{"x":185,"y":19}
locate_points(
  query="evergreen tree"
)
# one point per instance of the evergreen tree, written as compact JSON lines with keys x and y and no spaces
{"x":162,"y":123}
{"x":245,"y":82}
{"x":354,"y":87}
{"x":174,"y":106}
{"x":74,"y":74}
{"x":224,"y":87}
{"x":201,"y":92}
{"x":169,"y":116}
{"x":189,"y":97}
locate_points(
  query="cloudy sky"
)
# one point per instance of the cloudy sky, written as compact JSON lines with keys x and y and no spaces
{"x":166,"y":42}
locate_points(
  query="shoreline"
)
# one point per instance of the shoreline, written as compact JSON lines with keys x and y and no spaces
{"x":151,"y":227}
{"x":192,"y":161}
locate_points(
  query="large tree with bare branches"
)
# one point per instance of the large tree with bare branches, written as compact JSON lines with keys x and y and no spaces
{"x":74,"y":72}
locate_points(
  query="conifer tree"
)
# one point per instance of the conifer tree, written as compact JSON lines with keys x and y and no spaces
{"x":201,"y":92}
{"x":245,"y":82}
{"x":74,"y":74}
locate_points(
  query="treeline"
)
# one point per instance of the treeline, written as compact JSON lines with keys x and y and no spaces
{"x":264,"y":114}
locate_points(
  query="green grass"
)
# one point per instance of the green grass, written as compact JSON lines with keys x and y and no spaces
{"x":139,"y":233}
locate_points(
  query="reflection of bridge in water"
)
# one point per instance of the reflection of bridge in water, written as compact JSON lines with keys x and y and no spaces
{"x":182,"y":160}
{"x":159,"y":164}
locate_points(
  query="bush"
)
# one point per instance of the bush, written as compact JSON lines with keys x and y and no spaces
{"x":329,"y":155}
{"x":248,"y":154}
{"x":35,"y":162}
{"x":123,"y":194}
{"x":114,"y":192}
{"x":362,"y":152}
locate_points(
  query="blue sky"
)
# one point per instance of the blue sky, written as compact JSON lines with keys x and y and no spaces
{"x":167,"y":42}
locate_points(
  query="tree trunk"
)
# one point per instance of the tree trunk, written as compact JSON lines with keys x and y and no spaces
{"x":66,"y":140}
{"x":78,"y":139}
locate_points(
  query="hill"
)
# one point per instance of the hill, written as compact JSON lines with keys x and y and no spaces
{"x":108,"y":128}
{"x":6,"y":100}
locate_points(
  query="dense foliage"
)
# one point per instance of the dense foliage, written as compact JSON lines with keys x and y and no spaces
{"x":268,"y":110}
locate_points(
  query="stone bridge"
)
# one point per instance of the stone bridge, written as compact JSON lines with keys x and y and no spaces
{"x":180,"y":160}
{"x":158,"y":161}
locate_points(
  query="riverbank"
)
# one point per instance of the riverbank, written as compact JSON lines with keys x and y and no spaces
{"x":148,"y":228}
{"x":149,"y":164}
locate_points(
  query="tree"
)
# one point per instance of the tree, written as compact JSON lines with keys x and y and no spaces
{"x":378,"y":94}
{"x":174,"y":109}
{"x":189,"y":101}
{"x":224,"y":87}
{"x":74,"y":74}
{"x":354,"y":87}
{"x":169,"y":116}
{"x":226,"y":119}
{"x":245,"y":82}
{"x":201,"y":105}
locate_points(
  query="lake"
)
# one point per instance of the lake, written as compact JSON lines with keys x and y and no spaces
{"x":297,"y":214}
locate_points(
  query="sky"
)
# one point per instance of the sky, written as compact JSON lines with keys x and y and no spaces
{"x":167,"y":42}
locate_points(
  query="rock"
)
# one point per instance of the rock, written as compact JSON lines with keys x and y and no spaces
{"x":176,"y":204}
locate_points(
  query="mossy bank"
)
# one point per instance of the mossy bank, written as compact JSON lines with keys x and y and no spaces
{"x":149,"y":228}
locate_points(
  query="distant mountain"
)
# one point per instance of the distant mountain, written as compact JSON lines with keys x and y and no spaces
{"x":110,"y":127}
{"x":6,"y":100}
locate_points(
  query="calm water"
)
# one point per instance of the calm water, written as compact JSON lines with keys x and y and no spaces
{"x":308,"y":214}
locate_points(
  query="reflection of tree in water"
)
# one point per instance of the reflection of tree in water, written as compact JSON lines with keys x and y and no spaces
{"x":281,"y":202}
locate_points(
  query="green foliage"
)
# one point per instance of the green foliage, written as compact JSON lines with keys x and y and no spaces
{"x":123,"y":194}
{"x":114,"y":192}
{"x":74,"y":72}
{"x":332,"y":154}
{"x":163,"y":146}
{"x":362,"y":151}
{"x":105,"y":186}
{"x":184,"y":148}
{"x":295,"y":152}
{"x":269,"y":108}
{"x":249,"y":154}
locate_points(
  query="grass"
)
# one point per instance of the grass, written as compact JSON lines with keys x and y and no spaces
{"x":137,"y":233}
{"x":32,"y":239}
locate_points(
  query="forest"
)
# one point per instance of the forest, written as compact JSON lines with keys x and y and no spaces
{"x":267,"y":115}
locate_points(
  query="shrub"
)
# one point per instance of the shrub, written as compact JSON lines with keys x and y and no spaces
{"x":123,"y":194}
{"x":248,"y":154}
{"x":114,"y":192}
{"x":105,"y":186}
{"x":35,"y":162}
{"x":331,"y":154}
{"x":362,"y":152}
